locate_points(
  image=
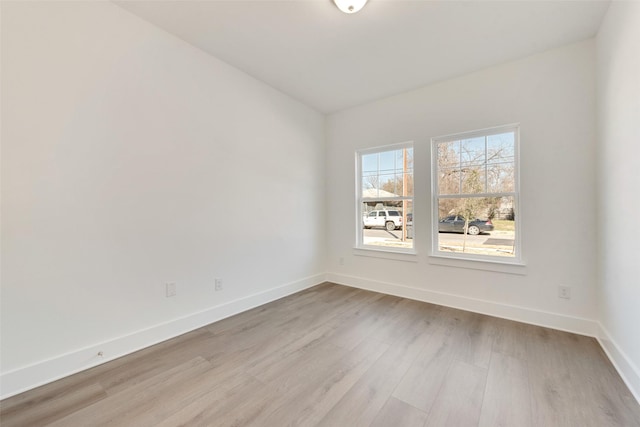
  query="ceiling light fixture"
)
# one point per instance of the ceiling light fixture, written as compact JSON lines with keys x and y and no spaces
{"x":350,"y":6}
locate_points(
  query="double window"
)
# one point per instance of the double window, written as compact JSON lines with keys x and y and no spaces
{"x":385,"y":198}
{"x":474,"y":196}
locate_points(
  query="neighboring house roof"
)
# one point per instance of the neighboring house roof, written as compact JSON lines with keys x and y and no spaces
{"x":372,"y":193}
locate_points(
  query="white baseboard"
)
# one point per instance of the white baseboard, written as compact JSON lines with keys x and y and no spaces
{"x":46,"y":371}
{"x":521,"y":314}
{"x":629,"y":372}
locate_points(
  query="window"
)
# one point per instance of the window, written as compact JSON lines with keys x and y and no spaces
{"x":475,"y":195}
{"x":385,"y":198}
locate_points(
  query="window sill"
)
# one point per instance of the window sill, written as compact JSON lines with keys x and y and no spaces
{"x":499,"y":266}
{"x":393,"y":254}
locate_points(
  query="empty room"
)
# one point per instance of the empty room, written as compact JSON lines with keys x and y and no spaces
{"x":320,"y":213}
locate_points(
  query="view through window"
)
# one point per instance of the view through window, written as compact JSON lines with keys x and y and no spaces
{"x":385,"y":209}
{"x":476,"y":194}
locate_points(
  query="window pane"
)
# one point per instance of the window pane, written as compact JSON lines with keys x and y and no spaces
{"x":389,"y":184}
{"x":500,"y":148}
{"x":477,"y":165}
{"x":490,"y":229}
{"x":472,"y":152}
{"x":450,"y":173}
{"x":384,"y":224}
{"x":387,"y":161}
{"x":500,"y":177}
{"x":369,"y":163}
{"x":473,"y":180}
{"x":449,"y":181}
{"x":449,"y":154}
{"x":388,"y":174}
{"x":406,"y":172}
{"x":501,"y":162}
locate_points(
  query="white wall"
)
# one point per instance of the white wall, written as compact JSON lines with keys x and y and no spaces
{"x":618,"y":53}
{"x":129,"y":159}
{"x":552,"y":96}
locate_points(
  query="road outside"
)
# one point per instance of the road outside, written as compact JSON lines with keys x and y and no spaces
{"x":497,"y":242}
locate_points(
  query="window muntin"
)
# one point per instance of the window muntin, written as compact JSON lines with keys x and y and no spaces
{"x":385,"y":198}
{"x":475,"y":176}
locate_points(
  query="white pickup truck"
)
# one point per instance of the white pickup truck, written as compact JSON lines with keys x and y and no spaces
{"x":389,"y":219}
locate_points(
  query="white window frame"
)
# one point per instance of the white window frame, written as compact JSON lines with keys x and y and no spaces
{"x":435,"y":251}
{"x":360,"y":200}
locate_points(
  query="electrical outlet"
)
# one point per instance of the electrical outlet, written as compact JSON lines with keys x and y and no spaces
{"x":218,"y":285}
{"x":341,"y":261}
{"x":564,"y":292}
{"x":171,"y":289}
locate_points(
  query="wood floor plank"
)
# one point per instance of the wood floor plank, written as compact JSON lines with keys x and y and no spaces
{"x":403,"y":315}
{"x":507,"y":401}
{"x":573,"y":384}
{"x":474,"y":339}
{"x":288,"y":309}
{"x":397,"y":413}
{"x":147,"y":366}
{"x":206,"y":410}
{"x":46,"y":411}
{"x":511,"y":338}
{"x":361,"y":404}
{"x":610,"y":400}
{"x":421,"y":384}
{"x":338,"y":356}
{"x":285,"y":401}
{"x":318,"y":398}
{"x":301,"y":367}
{"x":171,"y":400}
{"x":459,"y":400}
{"x":118,"y":409}
{"x":122,"y":372}
{"x":209,"y":409}
{"x":282,"y":385}
{"x":554,"y":401}
{"x":280,"y":360}
{"x":364,"y":321}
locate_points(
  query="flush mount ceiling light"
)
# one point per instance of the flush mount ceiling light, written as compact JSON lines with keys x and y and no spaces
{"x":350,"y":6}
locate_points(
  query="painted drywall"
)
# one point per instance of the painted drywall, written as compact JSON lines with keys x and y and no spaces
{"x":618,"y":81}
{"x":552,"y":96}
{"x":131,"y":159}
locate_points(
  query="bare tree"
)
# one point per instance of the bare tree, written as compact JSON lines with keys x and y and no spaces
{"x":370,"y":181}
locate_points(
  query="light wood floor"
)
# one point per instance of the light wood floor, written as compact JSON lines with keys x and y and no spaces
{"x":337,"y":356}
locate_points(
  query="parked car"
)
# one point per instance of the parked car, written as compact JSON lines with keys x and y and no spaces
{"x":387,"y":218}
{"x":455,"y":223}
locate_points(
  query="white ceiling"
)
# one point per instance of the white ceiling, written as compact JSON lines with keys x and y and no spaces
{"x":329,"y":60}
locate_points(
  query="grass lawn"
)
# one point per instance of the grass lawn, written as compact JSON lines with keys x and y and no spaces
{"x":503,"y":225}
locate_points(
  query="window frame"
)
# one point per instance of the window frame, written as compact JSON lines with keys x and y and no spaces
{"x":435,"y":196}
{"x":360,"y":200}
